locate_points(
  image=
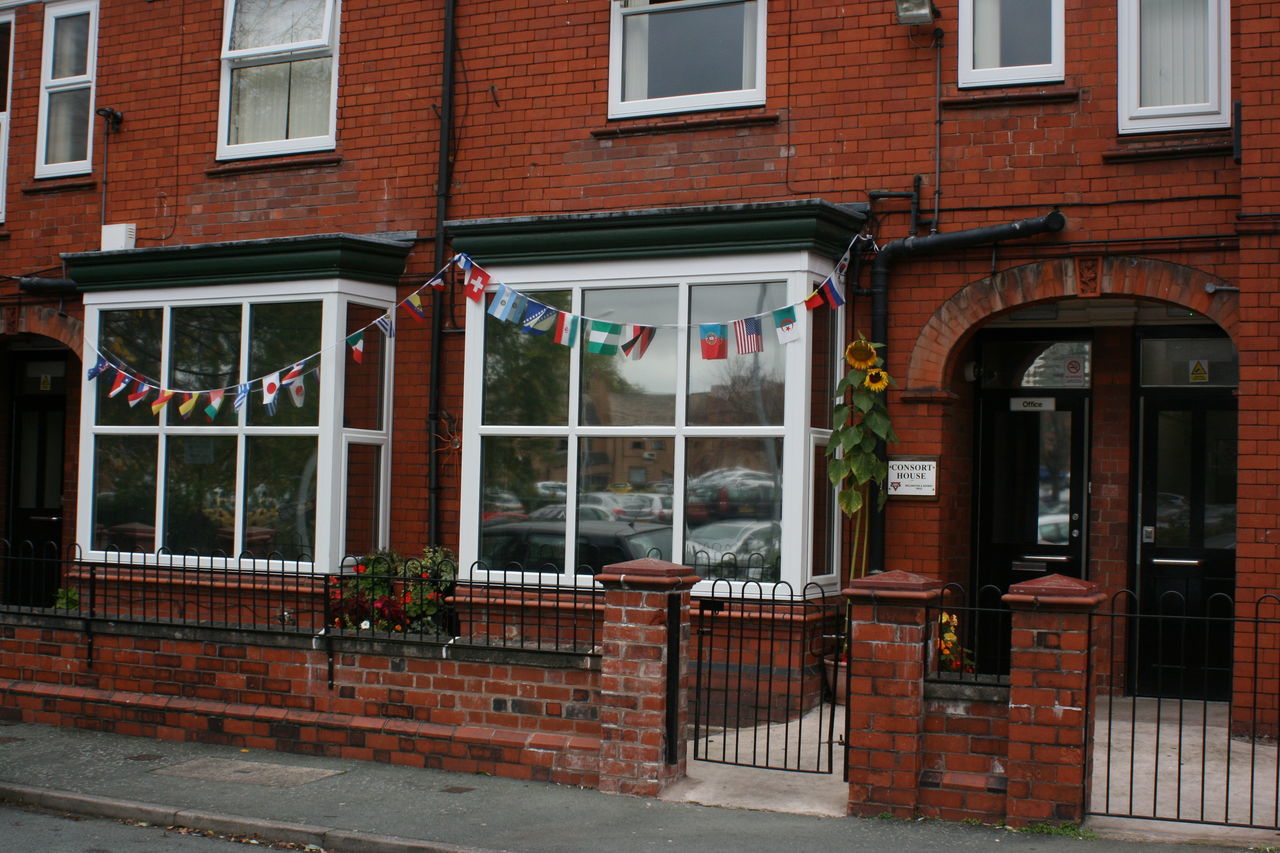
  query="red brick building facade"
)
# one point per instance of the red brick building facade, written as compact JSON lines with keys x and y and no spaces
{"x":1093,"y":392}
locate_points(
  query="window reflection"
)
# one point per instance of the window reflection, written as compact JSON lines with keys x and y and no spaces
{"x":124,"y":484}
{"x":526,"y":377}
{"x":200,"y":495}
{"x":205,"y":354}
{"x":733,"y":507}
{"x":132,"y":338}
{"x":280,"y":334}
{"x":741,"y":390}
{"x":621,"y":391}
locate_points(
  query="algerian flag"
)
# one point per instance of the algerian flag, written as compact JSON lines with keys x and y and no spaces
{"x":784,"y":322}
{"x":602,"y":338}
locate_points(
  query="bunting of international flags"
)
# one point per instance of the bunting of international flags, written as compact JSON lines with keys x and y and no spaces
{"x":630,"y":340}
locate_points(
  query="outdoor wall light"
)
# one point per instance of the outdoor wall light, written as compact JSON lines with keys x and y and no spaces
{"x":916,"y":11}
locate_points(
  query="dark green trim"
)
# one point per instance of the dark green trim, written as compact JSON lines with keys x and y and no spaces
{"x":806,"y":225}
{"x":372,"y":259}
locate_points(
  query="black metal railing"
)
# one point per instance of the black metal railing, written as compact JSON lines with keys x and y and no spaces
{"x":1187,"y":711}
{"x":968,"y":637}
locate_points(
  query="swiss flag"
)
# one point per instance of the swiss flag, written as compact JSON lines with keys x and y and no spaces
{"x":477,"y":281}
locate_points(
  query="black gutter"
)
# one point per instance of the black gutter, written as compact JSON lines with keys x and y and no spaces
{"x":443,"y":179}
{"x":908,"y":246}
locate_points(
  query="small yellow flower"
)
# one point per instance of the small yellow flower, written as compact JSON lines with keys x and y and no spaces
{"x":877,"y":380}
{"x":860,"y":354}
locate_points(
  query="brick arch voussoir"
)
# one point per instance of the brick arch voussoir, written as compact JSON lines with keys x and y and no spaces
{"x":46,"y":321}
{"x":974,"y":304}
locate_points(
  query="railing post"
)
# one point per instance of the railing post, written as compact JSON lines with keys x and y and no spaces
{"x":1049,"y":700}
{"x":644,"y":718}
{"x":888,"y":652}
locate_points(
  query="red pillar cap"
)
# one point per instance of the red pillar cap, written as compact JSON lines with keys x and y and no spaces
{"x":1057,"y":590}
{"x":647,"y":573}
{"x":894,"y":584}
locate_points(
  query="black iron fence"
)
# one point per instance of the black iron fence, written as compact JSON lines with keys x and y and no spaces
{"x":381,"y":597}
{"x":968,"y":636}
{"x":1188,"y":709}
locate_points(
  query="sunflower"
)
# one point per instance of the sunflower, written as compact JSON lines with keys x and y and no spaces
{"x":860,"y":354}
{"x":877,"y":380}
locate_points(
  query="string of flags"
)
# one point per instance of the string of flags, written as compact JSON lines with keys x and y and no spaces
{"x":602,"y":337}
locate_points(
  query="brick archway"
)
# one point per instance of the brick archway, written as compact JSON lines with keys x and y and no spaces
{"x":1090,"y":277}
{"x":43,"y":320}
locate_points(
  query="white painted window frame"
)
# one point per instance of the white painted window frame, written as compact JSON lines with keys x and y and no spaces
{"x":50,"y":86}
{"x":1213,"y":113}
{"x":801,"y":271}
{"x":1010,"y":75}
{"x":618,"y":108}
{"x":325,"y":46}
{"x":335,"y":295}
{"x":6,"y":18}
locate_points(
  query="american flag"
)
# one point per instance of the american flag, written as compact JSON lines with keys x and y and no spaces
{"x":746,"y":333}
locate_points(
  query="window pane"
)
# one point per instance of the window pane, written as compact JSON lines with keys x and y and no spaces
{"x":131,"y":338}
{"x":1036,"y":364}
{"x":281,"y":334}
{"x":1190,"y":362}
{"x":740,"y":390}
{"x":199,"y":506}
{"x":364,"y":497}
{"x":622,"y":515}
{"x":66,"y":138}
{"x":823,"y":520}
{"x":310,"y":86}
{"x":1174,"y":492}
{"x":364,"y":381}
{"x":204,"y":355}
{"x":526,"y":377}
{"x":70,"y":46}
{"x":689,"y":51}
{"x":6,"y":39}
{"x":263,"y":23}
{"x":1173,"y":53}
{"x":1012,"y":32}
{"x":618,"y":390}
{"x":1220,"y":480}
{"x":280,"y":497}
{"x":259,"y":103}
{"x":124,"y":492}
{"x":519,"y":476}
{"x":826,"y":358}
{"x":733,"y":507}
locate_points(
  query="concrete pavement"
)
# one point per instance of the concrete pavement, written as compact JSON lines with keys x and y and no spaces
{"x":365,"y":807}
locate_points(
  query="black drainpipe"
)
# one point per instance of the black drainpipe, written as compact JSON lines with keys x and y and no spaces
{"x":443,"y":178}
{"x":1052,"y":221}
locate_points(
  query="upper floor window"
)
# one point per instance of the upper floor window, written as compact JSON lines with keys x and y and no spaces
{"x":279,"y":80}
{"x":6,"y":74}
{"x":669,"y":56}
{"x":1006,"y":42}
{"x":1174,"y":65}
{"x":66,"y":88}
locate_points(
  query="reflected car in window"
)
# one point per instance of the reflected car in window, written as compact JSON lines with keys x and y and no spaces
{"x":539,"y":545}
{"x":737,"y":549}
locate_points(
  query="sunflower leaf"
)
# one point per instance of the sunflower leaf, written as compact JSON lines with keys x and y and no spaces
{"x":850,"y":501}
{"x":839,"y":415}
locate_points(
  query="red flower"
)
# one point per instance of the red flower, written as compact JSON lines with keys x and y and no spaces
{"x":360,"y":568}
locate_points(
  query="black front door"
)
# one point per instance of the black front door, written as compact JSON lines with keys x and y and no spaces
{"x":35,"y":523}
{"x":1186,"y":564}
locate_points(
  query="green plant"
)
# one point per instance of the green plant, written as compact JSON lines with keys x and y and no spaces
{"x":952,"y":655}
{"x":860,"y":426}
{"x":67,"y":598}
{"x":386,"y":592}
{"x":1066,"y":830}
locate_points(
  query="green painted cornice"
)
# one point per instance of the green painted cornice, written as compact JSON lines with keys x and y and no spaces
{"x":804,"y":224}
{"x":379,"y":260}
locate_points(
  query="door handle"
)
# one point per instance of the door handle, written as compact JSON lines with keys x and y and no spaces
{"x":1170,"y":562}
{"x":46,"y":518}
{"x":1046,"y":558}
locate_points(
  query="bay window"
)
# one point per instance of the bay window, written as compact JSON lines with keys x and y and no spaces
{"x":579,"y":457}
{"x":279,"y":77}
{"x":1174,"y":65}
{"x":216,"y":479}
{"x":1004,"y":42}
{"x":67,"y":72}
{"x":676,"y":55}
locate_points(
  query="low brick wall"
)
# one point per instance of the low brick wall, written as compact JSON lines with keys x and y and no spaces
{"x":965,"y":750}
{"x":514,"y":713}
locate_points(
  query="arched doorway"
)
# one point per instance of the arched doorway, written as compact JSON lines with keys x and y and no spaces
{"x":1104,"y":436}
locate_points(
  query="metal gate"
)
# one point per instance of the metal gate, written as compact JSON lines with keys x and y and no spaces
{"x":1175,"y":739}
{"x":762,"y":694}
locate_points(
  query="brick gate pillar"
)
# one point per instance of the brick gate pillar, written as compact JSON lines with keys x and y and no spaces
{"x":1049,"y":762}
{"x":644,"y":676}
{"x":888,"y":651}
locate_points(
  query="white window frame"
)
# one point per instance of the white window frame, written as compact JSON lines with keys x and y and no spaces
{"x":1213,"y":113}
{"x":1008,"y":75}
{"x":801,"y":272}
{"x":324,"y":46}
{"x":618,"y":108}
{"x":50,"y":86}
{"x":333,"y":439}
{"x":6,"y":18}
